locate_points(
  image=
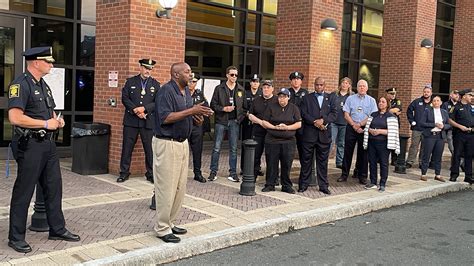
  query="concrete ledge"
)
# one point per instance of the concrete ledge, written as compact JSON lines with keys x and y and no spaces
{"x":165,"y":253}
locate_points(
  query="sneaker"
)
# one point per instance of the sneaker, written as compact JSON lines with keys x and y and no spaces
{"x":268,"y":188}
{"x":288,"y":190}
{"x":370,"y":186}
{"x":212,"y":177}
{"x":233,"y":178}
{"x":382,"y":189}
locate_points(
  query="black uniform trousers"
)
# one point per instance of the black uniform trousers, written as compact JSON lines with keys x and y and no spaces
{"x":258,"y":152}
{"x":38,"y":162}
{"x":351,"y":139}
{"x":463,"y":145}
{"x":130,"y":135}
{"x":282,"y":153}
{"x":433,"y":147}
{"x":308,"y":150}
{"x":195,"y":142}
{"x":378,"y":153}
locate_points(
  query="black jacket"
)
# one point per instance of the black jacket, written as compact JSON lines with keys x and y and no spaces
{"x":428,"y":122}
{"x":133,"y":97}
{"x":310,"y":111}
{"x":221,"y":97}
{"x":415,"y":112}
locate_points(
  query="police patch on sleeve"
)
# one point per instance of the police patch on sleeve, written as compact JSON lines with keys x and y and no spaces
{"x":14,"y":91}
{"x":398,"y":102}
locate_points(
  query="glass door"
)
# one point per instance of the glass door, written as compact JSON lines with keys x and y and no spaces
{"x":12,"y":43}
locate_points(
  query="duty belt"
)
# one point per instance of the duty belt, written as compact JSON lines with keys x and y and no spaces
{"x":42,"y":135}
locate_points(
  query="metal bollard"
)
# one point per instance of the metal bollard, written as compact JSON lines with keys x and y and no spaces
{"x":39,"y":220}
{"x":247,"y":187}
{"x":400,"y":167}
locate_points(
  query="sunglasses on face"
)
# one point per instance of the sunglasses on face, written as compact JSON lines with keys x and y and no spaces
{"x":233,"y":75}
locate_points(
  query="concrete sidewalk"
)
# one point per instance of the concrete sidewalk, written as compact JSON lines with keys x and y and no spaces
{"x":116,"y":224}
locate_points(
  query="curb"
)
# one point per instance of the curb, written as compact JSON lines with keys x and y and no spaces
{"x":166,"y":253}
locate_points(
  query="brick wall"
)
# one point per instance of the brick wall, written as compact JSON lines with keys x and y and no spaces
{"x":127,"y":31}
{"x":404,"y":64}
{"x":463,"y":46}
{"x":302,"y":46}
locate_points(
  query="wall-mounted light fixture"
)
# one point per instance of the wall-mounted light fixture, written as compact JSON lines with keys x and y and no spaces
{"x":329,"y":24}
{"x":167,"y":5}
{"x":426,"y":43}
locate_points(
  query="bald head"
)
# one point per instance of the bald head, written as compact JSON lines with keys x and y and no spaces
{"x":319,"y":84}
{"x":181,"y":73}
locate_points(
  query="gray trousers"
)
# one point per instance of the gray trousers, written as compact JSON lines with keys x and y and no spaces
{"x":416,"y":137}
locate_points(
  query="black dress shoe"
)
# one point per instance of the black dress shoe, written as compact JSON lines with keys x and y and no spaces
{"x":363,"y":181}
{"x":288,"y":190}
{"x":325,"y":191}
{"x":268,"y":188}
{"x":408,"y":165}
{"x":302,"y":189}
{"x":342,"y":179}
{"x":20,"y":246}
{"x":200,"y":178}
{"x":339,"y":166}
{"x":178,"y":230}
{"x":122,"y":178}
{"x":170,"y":238}
{"x":68,"y":236}
{"x":469,"y":180}
{"x":452,"y":179}
{"x":260,"y":173}
{"x":149,"y":178}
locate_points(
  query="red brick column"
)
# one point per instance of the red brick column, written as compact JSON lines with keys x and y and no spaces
{"x":404,"y":63}
{"x":301,"y":44}
{"x":463,"y":46}
{"x":127,"y":31}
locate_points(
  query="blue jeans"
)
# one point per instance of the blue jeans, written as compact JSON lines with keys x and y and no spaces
{"x":232,"y":128}
{"x":338,"y":133}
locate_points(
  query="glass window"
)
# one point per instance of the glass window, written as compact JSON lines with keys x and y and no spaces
{"x":84,"y":118}
{"x":251,"y":28}
{"x":84,"y":90}
{"x":270,"y":6}
{"x":268,"y":31}
{"x":343,"y":69}
{"x":346,"y":20}
{"x":61,"y":8}
{"x":64,"y":134}
{"x":216,"y":23}
{"x":86,"y":10}
{"x":444,"y":38}
{"x":375,"y":4}
{"x":68,"y":90}
{"x":232,"y":3}
{"x":442,"y":60}
{"x":86,"y":45}
{"x":372,"y":22}
{"x":268,"y":64}
{"x":370,"y":48}
{"x":452,"y":2}
{"x":355,"y":16}
{"x":441,"y":82}
{"x":56,"y":34}
{"x":251,"y":62}
{"x":370,"y":72}
{"x":215,"y":57}
{"x":445,"y":15}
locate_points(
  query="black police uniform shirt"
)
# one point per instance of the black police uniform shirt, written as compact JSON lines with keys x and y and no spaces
{"x":396,"y":103}
{"x":297,"y":97}
{"x":275,"y":115}
{"x":138,"y":92}
{"x":449,"y":106}
{"x":249,"y":98}
{"x":198,"y":97}
{"x":258,"y":109}
{"x":463,"y":114}
{"x":32,"y":96}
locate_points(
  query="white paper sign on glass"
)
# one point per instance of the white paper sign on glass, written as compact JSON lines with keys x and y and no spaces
{"x":55,"y":80}
{"x":209,"y":86}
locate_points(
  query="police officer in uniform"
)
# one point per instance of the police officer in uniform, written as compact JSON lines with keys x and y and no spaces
{"x":462,"y":119}
{"x":247,"y":127}
{"x":396,"y":110}
{"x":31,"y":112}
{"x":449,"y":107}
{"x":138,"y":97}
{"x":196,"y":138}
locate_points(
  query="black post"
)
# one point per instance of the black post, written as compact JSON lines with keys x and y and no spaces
{"x":153,"y":202}
{"x":313,"y":180}
{"x":39,"y":221}
{"x":400,"y":167}
{"x":247,"y":187}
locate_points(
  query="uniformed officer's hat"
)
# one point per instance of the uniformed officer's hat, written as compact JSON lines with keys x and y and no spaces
{"x":255,"y":77}
{"x":465,"y":91}
{"x":196,"y":77}
{"x":147,"y":63}
{"x":296,"y":75}
{"x":284,"y":91}
{"x":391,"y":90}
{"x":40,"y":53}
{"x":268,"y":83}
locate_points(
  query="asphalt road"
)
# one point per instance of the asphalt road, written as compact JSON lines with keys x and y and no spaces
{"x":437,"y":231}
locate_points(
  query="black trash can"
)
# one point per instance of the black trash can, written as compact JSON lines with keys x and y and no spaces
{"x":90,"y":148}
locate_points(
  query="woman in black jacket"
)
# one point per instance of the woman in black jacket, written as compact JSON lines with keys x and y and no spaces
{"x":435,"y":124}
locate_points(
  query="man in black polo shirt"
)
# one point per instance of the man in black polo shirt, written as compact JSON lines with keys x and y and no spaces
{"x":175,"y":114}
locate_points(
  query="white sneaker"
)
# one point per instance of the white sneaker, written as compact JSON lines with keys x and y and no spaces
{"x":233,"y":178}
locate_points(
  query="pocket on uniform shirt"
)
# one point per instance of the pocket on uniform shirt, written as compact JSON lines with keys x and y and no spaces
{"x":38,"y":100}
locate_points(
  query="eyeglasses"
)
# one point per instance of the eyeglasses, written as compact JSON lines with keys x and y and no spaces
{"x":193,"y":81}
{"x":233,"y":75}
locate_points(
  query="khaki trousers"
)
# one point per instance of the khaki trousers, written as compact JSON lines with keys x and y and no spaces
{"x":170,"y":172}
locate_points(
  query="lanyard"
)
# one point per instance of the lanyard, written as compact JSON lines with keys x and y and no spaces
{"x":143,"y":83}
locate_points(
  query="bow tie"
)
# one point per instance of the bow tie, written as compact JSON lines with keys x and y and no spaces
{"x":319,"y":94}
